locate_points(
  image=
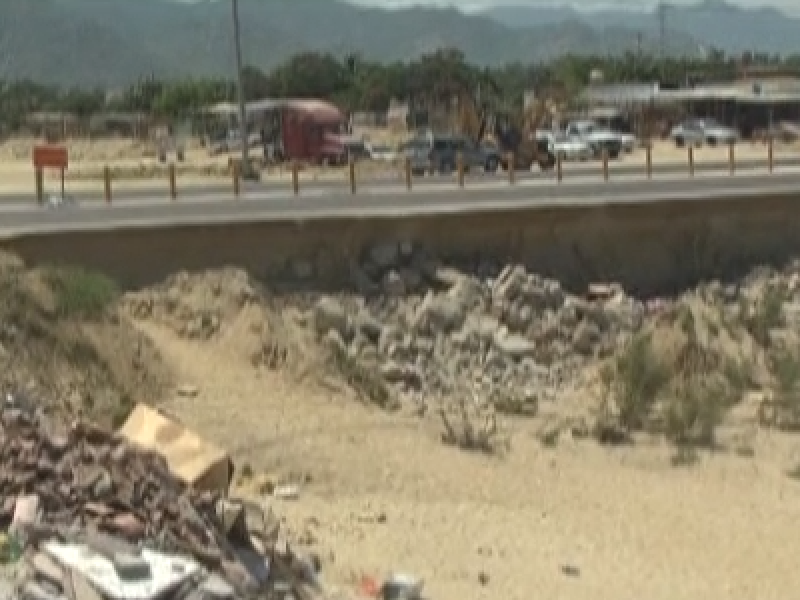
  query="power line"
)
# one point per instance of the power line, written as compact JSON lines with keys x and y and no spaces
{"x":662,"y":30}
{"x":243,"y":132}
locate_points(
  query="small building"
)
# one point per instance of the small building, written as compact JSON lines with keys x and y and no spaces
{"x":751,"y":105}
{"x":54,"y":126}
{"x":641,"y":106}
{"x":133,"y":125}
{"x":397,"y":115}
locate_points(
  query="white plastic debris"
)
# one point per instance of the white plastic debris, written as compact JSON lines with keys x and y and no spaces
{"x":167,"y":572}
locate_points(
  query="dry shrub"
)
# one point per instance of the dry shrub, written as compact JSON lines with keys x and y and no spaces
{"x":781,"y":409}
{"x":673,"y":380}
{"x":366,"y":382}
{"x":766,"y":314}
{"x":474,"y":428}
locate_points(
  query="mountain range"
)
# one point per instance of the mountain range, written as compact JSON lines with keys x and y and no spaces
{"x":115,"y":42}
{"x":712,"y":23}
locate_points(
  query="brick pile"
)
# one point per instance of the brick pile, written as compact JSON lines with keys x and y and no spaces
{"x":82,"y":484}
{"x":85,"y":477}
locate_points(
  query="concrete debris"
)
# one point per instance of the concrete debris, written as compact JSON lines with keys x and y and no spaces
{"x":97,"y":517}
{"x":516,"y":330}
{"x":411,"y":332}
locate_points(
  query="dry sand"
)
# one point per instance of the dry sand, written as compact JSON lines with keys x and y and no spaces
{"x":633,"y":526}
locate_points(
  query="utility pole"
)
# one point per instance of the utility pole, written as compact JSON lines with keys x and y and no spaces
{"x":243,"y":134}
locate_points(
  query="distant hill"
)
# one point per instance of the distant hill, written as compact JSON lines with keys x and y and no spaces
{"x":114,"y":42}
{"x":712,"y":23}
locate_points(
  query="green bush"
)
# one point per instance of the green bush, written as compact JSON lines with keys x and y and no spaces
{"x":80,"y":293}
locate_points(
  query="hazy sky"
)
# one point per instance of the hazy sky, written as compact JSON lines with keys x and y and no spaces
{"x":790,"y":6}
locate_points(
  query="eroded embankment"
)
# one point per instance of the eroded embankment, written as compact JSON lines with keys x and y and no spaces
{"x":648,"y":248}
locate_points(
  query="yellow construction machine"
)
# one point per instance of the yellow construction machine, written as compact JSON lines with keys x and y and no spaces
{"x":517,"y":134}
{"x":510,"y":133}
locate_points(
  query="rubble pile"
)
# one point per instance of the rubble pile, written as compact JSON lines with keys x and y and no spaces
{"x":82,"y":495}
{"x":431,"y":330}
{"x":424,"y":327}
{"x":195,"y":306}
{"x":515,"y":331}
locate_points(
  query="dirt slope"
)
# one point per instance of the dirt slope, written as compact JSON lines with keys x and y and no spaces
{"x":634,"y":526}
{"x":64,"y":343}
{"x":559,"y":514}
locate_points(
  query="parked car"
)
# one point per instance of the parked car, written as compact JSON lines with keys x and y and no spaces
{"x":628,"y":142}
{"x":696,"y":132}
{"x":566,"y":147}
{"x":440,"y":153}
{"x":600,"y":139}
{"x":382,"y":153}
{"x":784,"y":132}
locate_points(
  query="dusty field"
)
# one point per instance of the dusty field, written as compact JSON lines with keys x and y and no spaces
{"x":341,"y":395}
{"x":555,"y":511}
{"x":133,"y":164}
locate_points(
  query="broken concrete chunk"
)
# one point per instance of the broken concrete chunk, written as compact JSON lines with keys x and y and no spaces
{"x":26,"y":513}
{"x":514,"y":346}
{"x":329,"y":314}
{"x":216,"y":588}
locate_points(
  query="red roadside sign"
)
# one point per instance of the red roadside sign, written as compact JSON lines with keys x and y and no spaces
{"x":50,"y":157}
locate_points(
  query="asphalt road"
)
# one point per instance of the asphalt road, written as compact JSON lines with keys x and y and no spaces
{"x":155,"y":212}
{"x":571,"y":171}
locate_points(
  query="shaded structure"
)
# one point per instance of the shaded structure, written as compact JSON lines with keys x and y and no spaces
{"x":753,"y":105}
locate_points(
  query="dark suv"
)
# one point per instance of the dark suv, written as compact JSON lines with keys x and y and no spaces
{"x":440,"y":154}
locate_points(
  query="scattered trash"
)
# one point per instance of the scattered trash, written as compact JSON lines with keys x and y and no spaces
{"x":96,"y":516}
{"x":402,"y":587}
{"x":287,"y":492}
{"x":570,"y":570}
{"x":55,"y":202}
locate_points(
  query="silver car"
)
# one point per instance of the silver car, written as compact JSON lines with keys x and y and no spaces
{"x":696,"y":132}
{"x":439,"y":153}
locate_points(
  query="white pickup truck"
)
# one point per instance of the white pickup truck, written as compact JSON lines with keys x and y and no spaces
{"x":599,"y":138}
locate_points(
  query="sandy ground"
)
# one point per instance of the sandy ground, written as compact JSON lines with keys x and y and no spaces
{"x":624,"y":524}
{"x":134,"y":166}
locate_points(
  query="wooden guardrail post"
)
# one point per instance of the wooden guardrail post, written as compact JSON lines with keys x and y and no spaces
{"x":351,"y":166}
{"x":691,"y":161}
{"x":605,"y":165}
{"x":511,"y":166}
{"x":408,"y":173}
{"x":295,"y":177}
{"x":173,"y":182}
{"x":107,"y":184}
{"x":770,"y":154}
{"x":38,"y":175}
{"x":559,"y":168}
{"x":460,"y":166}
{"x":648,"y":159}
{"x":236,"y":173}
{"x":732,"y":158}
